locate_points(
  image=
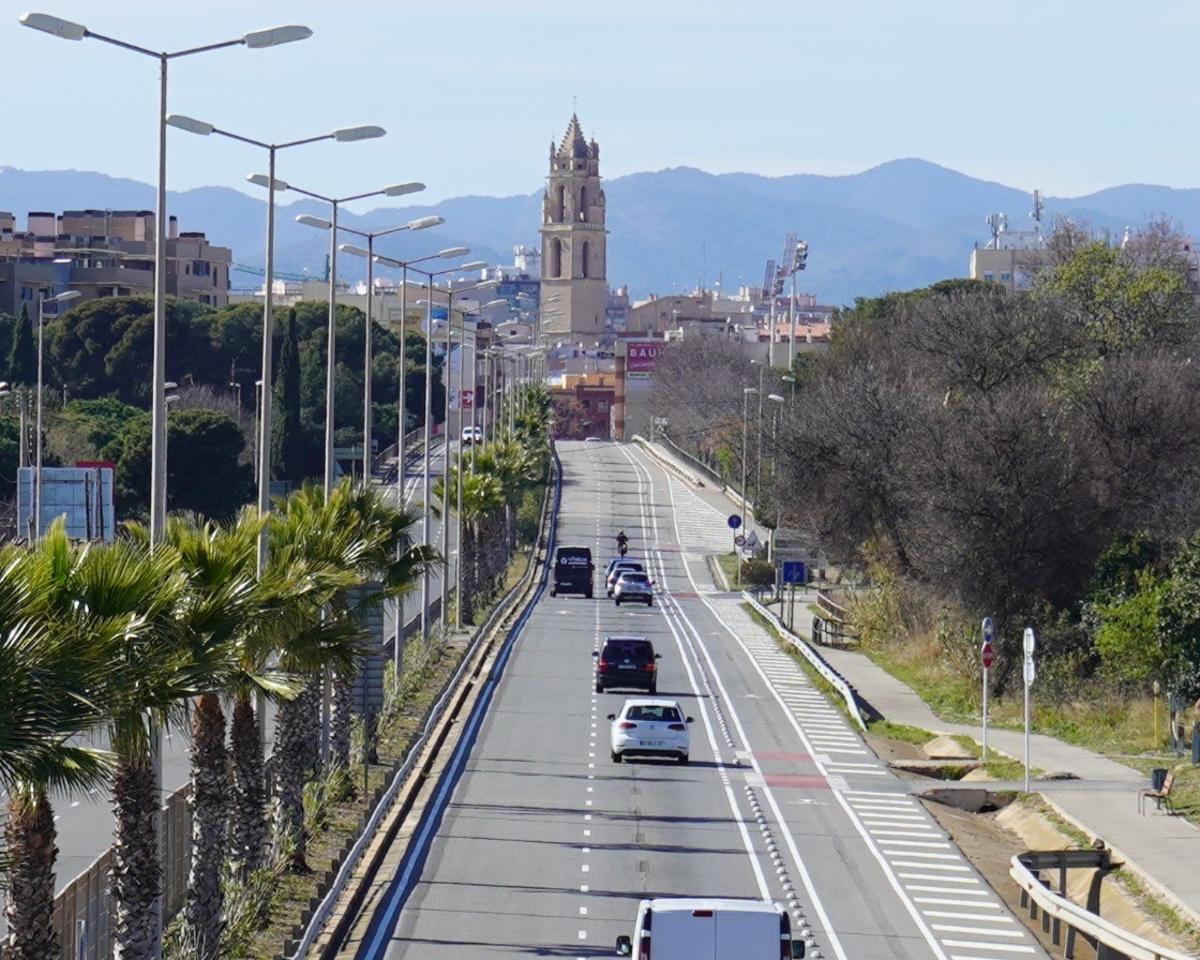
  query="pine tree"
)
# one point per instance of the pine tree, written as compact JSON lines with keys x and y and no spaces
{"x":22,"y":359}
{"x":288,"y":449}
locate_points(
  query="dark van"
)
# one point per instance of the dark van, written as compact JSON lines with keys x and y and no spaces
{"x":572,"y":571}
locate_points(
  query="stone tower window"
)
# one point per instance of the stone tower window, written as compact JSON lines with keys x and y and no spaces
{"x":560,"y":203}
{"x":583,"y":204}
{"x":554,"y":255}
{"x":585,"y":252}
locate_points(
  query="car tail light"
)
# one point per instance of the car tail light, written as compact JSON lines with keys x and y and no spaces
{"x":677,"y":726}
{"x":602,"y":664}
{"x":644,"y":948}
{"x":650,"y":667}
{"x":626,"y":725}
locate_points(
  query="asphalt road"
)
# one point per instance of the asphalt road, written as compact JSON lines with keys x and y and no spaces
{"x":544,"y":845}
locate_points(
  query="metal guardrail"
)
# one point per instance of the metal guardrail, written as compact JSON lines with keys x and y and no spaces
{"x":831,"y":676}
{"x":351,"y":862}
{"x":390,"y":450}
{"x":831,"y":608}
{"x":692,"y":478}
{"x":1109,"y":940}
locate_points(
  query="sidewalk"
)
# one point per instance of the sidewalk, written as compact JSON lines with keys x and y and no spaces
{"x":1161,"y":849}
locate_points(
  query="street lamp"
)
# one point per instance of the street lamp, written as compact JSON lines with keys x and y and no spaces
{"x":65,"y":297}
{"x":778,"y":401}
{"x":421,"y":223}
{"x":262,"y":467}
{"x":259,"y":39}
{"x":747,"y":393}
{"x":396,"y":190}
{"x":449,"y":253}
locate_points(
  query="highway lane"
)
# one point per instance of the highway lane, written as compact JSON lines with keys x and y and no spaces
{"x":545,"y":845}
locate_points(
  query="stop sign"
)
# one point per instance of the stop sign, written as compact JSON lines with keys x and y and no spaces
{"x":987,"y":655}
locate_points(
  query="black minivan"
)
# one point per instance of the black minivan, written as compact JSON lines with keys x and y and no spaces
{"x":573,"y":571}
{"x":627,"y":662}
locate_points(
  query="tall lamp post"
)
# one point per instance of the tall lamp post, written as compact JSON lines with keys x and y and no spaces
{"x":778,"y":401}
{"x":263,"y":422}
{"x":421,"y":223}
{"x":259,"y":39}
{"x":396,"y":190}
{"x":65,"y":297}
{"x":747,"y":393}
{"x":450,"y":253}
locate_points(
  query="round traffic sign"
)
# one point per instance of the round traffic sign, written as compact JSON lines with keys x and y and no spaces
{"x":987,"y":655}
{"x":734,"y":521}
{"x":987,"y":629}
{"x":739,"y":540}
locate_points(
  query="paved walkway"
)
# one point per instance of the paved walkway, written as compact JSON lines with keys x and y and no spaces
{"x":1164,"y":850}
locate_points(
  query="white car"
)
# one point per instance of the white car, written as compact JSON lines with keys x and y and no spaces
{"x":650,"y":727}
{"x":472,"y":435}
{"x":616,"y":568}
{"x":633,"y":586}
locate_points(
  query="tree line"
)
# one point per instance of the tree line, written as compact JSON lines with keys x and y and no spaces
{"x":98,"y":357}
{"x":1031,"y":456}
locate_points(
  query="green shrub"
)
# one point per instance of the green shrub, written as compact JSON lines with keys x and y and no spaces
{"x":757,"y":573}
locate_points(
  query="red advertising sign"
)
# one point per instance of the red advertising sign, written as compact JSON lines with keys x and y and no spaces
{"x":468,"y":399}
{"x":642,"y":356}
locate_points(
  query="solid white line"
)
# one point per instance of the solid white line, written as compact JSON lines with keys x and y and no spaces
{"x":852,"y":763}
{"x":908,"y":833}
{"x":933,"y":866}
{"x":985,"y":931}
{"x":908,"y":852}
{"x":913,"y":824}
{"x":890,"y":817}
{"x":875,"y":793}
{"x":836,"y":767}
{"x":957,"y":893}
{"x":988,"y":917}
{"x":1009,"y":948}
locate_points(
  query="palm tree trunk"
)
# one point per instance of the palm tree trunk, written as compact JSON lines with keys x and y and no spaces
{"x":209,"y":803}
{"x":136,"y":879}
{"x":247,"y":824}
{"x":291,"y":766}
{"x":341,"y":718}
{"x":30,"y":838}
{"x":309,"y":703}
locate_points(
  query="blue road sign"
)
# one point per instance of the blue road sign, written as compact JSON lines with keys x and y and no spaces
{"x":734,"y":521}
{"x":794,"y":571}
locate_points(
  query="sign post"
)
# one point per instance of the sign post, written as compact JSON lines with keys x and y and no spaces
{"x":734,"y":522}
{"x":1029,"y":672}
{"x":986,"y":656}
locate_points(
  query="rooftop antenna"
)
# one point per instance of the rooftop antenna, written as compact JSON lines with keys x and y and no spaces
{"x":1039,"y":204}
{"x":997,"y":223}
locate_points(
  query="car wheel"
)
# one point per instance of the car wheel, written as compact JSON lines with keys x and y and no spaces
{"x":599,"y":688}
{"x":618,"y":601}
{"x":553,"y":592}
{"x":649,"y":603}
{"x":616,"y":757}
{"x":609,"y":592}
{"x":589,"y":593}
{"x":653,"y":690}
{"x":683,"y":758}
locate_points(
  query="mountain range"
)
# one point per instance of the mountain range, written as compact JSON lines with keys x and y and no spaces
{"x":902,"y":224}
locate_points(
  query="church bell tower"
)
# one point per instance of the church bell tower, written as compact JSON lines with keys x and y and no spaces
{"x":574,"y":289}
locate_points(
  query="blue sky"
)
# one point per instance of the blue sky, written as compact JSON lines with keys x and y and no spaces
{"x":1062,"y":95}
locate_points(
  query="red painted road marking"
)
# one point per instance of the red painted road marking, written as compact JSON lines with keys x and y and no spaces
{"x":785,"y":757}
{"x":796,"y":780}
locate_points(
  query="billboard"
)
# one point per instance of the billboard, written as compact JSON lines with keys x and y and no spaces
{"x":641,"y":358}
{"x":82,"y":494}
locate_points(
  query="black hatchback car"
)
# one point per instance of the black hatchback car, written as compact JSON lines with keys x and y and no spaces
{"x":627,"y":662}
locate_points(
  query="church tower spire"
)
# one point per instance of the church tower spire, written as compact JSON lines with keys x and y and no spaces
{"x":574,"y":290}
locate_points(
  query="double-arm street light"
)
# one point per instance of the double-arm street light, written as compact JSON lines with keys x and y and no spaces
{"x":421,"y":223}
{"x":257,"y":40}
{"x":263,"y":422}
{"x":396,"y":190}
{"x":65,"y":297}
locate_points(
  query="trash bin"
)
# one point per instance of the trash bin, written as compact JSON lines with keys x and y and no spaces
{"x":1158,"y":776}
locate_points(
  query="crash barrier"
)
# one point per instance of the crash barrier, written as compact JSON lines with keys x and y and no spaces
{"x":350,"y":863}
{"x":82,"y":908}
{"x":702,"y":468}
{"x":1110,"y":942}
{"x":384,"y":455}
{"x":831,"y":676}
{"x":667,"y":462}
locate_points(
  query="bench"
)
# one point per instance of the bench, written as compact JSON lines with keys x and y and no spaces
{"x":1158,"y":796}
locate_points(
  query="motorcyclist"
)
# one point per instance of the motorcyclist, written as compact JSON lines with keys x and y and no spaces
{"x":622,"y":542}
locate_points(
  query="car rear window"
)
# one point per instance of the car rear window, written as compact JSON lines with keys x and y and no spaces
{"x":573,"y":556}
{"x":648,"y":713}
{"x":634,"y":578}
{"x":631,"y":565}
{"x":628,"y":650}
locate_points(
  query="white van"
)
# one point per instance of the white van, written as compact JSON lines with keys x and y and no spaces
{"x":704,"y":929}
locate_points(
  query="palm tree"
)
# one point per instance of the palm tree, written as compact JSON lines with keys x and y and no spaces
{"x":483,"y":497}
{"x":46,"y":679}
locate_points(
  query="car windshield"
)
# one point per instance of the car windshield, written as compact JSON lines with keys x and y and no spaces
{"x":648,"y":712}
{"x":633,"y":578}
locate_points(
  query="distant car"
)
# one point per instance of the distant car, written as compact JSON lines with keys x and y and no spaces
{"x":649,"y":728}
{"x":633,"y":587}
{"x":472,"y":435}
{"x":615,"y":568}
{"x":627,"y":662}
